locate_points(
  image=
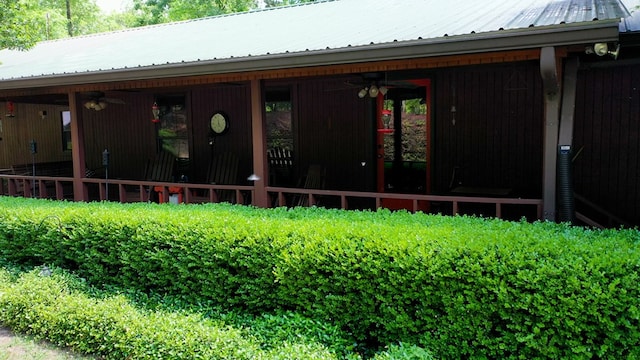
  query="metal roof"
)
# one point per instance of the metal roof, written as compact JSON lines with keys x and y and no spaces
{"x":325,"y":32}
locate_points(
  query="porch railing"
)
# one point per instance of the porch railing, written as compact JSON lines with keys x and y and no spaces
{"x":283,"y":197}
{"x":134,"y":191}
{"x":51,"y":187}
{"x":605,"y":218}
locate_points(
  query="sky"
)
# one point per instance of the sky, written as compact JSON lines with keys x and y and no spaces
{"x":111,"y":5}
{"x":631,"y":4}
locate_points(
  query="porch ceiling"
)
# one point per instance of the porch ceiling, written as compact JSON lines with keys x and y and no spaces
{"x":320,"y":33}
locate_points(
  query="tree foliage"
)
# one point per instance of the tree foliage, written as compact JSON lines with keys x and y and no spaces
{"x":17,"y":30}
{"x":275,"y":3}
{"x":25,"y":22}
{"x":148,"y":12}
{"x":55,"y":20}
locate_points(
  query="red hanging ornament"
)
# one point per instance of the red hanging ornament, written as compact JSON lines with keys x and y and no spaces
{"x":10,"y":109}
{"x":155,"y":110}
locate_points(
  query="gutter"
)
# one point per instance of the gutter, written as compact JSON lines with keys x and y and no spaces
{"x":501,"y":40}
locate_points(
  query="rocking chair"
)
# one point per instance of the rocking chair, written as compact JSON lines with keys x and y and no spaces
{"x":158,"y":169}
{"x":314,"y":179}
{"x":223,"y":170}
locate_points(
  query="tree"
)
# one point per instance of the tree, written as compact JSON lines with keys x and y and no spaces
{"x":17,"y":31}
{"x":62,"y":18}
{"x":25,"y":22}
{"x":148,"y":12}
{"x":275,"y":3}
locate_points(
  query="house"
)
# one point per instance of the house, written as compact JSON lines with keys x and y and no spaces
{"x":526,"y":109}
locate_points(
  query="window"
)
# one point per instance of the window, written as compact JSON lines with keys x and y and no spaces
{"x":66,"y":130}
{"x":279,"y":136}
{"x":278,"y":118}
{"x":172,"y":131}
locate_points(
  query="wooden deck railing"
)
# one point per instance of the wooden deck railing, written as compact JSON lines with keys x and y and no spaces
{"x":46,"y":187}
{"x":135,"y":191}
{"x":282,"y":194}
{"x":610,"y":220}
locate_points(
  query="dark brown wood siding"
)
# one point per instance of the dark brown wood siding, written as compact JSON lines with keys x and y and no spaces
{"x":234,"y":100}
{"x":334,"y":128}
{"x":496,"y":140}
{"x":607,"y":133}
{"x":125,"y":130}
{"x":17,"y":132}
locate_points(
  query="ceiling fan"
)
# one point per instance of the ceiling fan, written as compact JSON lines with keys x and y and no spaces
{"x":96,"y":100}
{"x":365,"y":84}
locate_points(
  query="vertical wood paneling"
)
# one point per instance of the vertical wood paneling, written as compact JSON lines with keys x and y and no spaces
{"x":28,"y":124}
{"x":335,"y":130}
{"x":497,"y":138}
{"x":125,"y":130}
{"x":607,"y":131}
{"x":234,"y":100}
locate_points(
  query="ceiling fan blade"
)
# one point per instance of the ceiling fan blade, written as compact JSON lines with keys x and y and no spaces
{"x":113,"y":100}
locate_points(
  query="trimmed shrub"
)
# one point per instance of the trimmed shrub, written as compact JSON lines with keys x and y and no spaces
{"x":458,"y":286}
{"x":48,"y":307}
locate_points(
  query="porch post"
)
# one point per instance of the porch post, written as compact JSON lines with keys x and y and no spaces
{"x":549,"y":72}
{"x":77,"y":148}
{"x":259,"y":140}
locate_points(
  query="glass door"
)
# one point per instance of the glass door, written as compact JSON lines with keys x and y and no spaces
{"x":403,"y":142}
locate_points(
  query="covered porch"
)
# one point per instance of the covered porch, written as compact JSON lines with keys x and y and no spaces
{"x":462,"y":152}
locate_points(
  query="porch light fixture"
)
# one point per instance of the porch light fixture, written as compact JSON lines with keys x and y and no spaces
{"x":372,"y":91}
{"x":10,"y":109}
{"x":95,"y":105}
{"x":602,"y":49}
{"x":155,"y":110}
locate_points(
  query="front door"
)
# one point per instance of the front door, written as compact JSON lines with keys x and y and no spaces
{"x":404,"y":142}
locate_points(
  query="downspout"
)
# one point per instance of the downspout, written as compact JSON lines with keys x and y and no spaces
{"x":566,"y":200}
{"x":551,"y":86}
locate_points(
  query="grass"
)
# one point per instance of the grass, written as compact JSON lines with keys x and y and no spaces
{"x":20,"y":347}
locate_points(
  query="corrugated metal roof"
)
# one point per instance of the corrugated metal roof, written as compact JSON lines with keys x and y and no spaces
{"x":631,"y":23}
{"x":320,"y":27}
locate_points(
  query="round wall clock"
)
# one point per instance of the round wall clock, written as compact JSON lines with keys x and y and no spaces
{"x":219,"y":123}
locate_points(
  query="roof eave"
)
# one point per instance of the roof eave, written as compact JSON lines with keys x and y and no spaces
{"x":503,"y":40}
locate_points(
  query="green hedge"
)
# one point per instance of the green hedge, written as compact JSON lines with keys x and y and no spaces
{"x":459,"y":286}
{"x":55,"y":307}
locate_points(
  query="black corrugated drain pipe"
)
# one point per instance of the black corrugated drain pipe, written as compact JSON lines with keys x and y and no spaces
{"x":566,"y":200}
